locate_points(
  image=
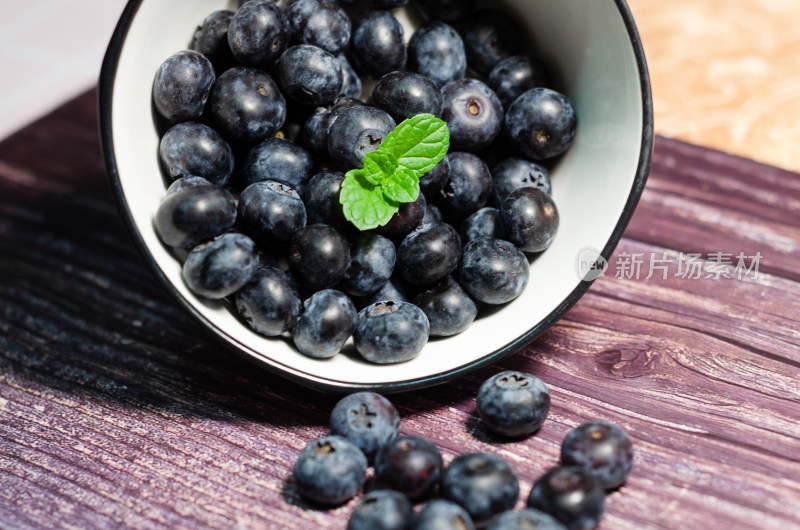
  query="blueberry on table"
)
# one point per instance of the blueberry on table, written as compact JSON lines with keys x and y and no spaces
{"x":330,"y":471}
{"x":448,"y":307}
{"x":446,"y":10}
{"x":351,"y":81}
{"x":211,"y":39}
{"x":194,"y":214}
{"x":437,"y":52}
{"x":377,"y":43}
{"x":541,"y":123}
{"x":182,"y":86}
{"x":473,"y":113}
{"x":604,"y":450}
{"x":481,"y":483}
{"x":432,"y":182}
{"x":485,"y":222}
{"x":440,"y":514}
{"x":309,"y":75}
{"x":326,"y":26}
{"x":406,"y":94}
{"x":246,"y":105}
{"x":528,"y":519}
{"x":258,"y":34}
{"x":319,"y":256}
{"x":367,"y":419}
{"x":490,"y":36}
{"x":322,"y":198}
{"x":570,"y":494}
{"x":279,"y":160}
{"x":531,"y":219}
{"x":515,"y":173}
{"x":222,"y":266}
{"x":381,"y":510}
{"x":391,"y":332}
{"x":372,"y":260}
{"x":409,"y":464}
{"x":429,"y":254}
{"x":355,"y":132}
{"x":514,"y":76}
{"x":493,"y":271}
{"x":271,"y":212}
{"x":325,"y":324}
{"x":269,"y":303}
{"x":468,"y":187}
{"x":513,"y":403}
{"x":408,"y":217}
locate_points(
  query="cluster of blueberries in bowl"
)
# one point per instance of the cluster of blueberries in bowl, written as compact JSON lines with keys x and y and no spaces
{"x":261,"y":120}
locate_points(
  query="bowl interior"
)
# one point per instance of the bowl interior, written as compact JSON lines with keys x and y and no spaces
{"x":590,"y":49}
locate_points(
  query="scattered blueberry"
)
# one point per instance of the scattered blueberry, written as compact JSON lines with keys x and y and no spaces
{"x":541,"y":123}
{"x":449,"y":309}
{"x":222,"y":266}
{"x":429,"y":254}
{"x":514,"y":76}
{"x":377,"y":43}
{"x":473,"y":114}
{"x":490,"y":36}
{"x":367,"y":419}
{"x":381,"y":510}
{"x":325,"y":324}
{"x":493,"y":271}
{"x":309,"y":75}
{"x":391,"y":332}
{"x":372,"y":260}
{"x":211,"y":39}
{"x":182,"y":86}
{"x":483,"y":484}
{"x":531,"y":219}
{"x":513,"y":403}
{"x":603,"y":449}
{"x":193,"y":214}
{"x":440,"y":514}
{"x":326,"y":26}
{"x":258,"y":34}
{"x":322,"y":198}
{"x":528,"y":519}
{"x":269,"y":302}
{"x":570,"y":494}
{"x":468,"y":187}
{"x":437,"y":51}
{"x":279,"y":160}
{"x":194,"y":149}
{"x":447,"y":10}
{"x":330,"y":471}
{"x":355,"y":132}
{"x":515,"y":173}
{"x":271,"y":212}
{"x":319,"y":256}
{"x":485,"y":222}
{"x":409,"y":464}
{"x":406,"y":94}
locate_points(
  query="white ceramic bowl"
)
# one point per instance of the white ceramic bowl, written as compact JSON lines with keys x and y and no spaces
{"x":595,"y":51}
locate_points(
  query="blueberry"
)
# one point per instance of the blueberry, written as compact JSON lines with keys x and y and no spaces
{"x":409,"y":464}
{"x":283,"y":4}
{"x":407,"y":218}
{"x":269,"y":303}
{"x":541,"y":123}
{"x":309,"y":75}
{"x":351,"y":82}
{"x":391,"y":332}
{"x":319,"y":256}
{"x":429,"y":254}
{"x":271,"y":212}
{"x":327,"y":26}
{"x":279,"y":160}
{"x":246,"y":105}
{"x":515,"y":173}
{"x":485,"y":222}
{"x":432,"y":182}
{"x":528,"y":519}
{"x":182,"y":86}
{"x":433,"y":216}
{"x":211,"y":39}
{"x":447,"y":10}
{"x":315,"y":133}
{"x":490,"y":36}
{"x":322,"y":198}
{"x":440,"y":514}
{"x":222,"y":266}
{"x":603,"y":449}
{"x":473,"y":113}
{"x":468,"y":187}
{"x":406,"y":94}
{"x":570,"y":494}
{"x":355,"y":132}
{"x":449,"y":309}
{"x":330,"y":471}
{"x":377,"y":44}
{"x":483,"y":484}
{"x":325,"y":324}
{"x":194,"y":149}
{"x":493,"y":271}
{"x":299,"y":11}
{"x":396,"y":290}
{"x":193,"y":214}
{"x":513,"y":403}
{"x":437,"y":51}
{"x":258,"y":34}
{"x":372,"y":259}
{"x":367,"y":419}
{"x":188,"y":182}
{"x":531,"y":219}
{"x":514,"y":76}
{"x":381,"y":510}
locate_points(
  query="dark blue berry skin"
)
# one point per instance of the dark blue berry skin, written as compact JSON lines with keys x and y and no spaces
{"x":211,"y":39}
{"x":541,"y":123}
{"x":322,"y":198}
{"x":437,"y":52}
{"x":351,"y":81}
{"x":513,"y":403}
{"x":515,"y":173}
{"x":449,"y":309}
{"x":319,"y":256}
{"x":528,"y":519}
{"x":246,"y":105}
{"x":356,"y":132}
{"x":473,"y":114}
{"x":194,"y":214}
{"x":570,"y":494}
{"x":330,"y":471}
{"x":440,"y":514}
{"x":309,"y":75}
{"x":182,"y":86}
{"x":279,"y":160}
{"x":446,"y":10}
{"x":271,"y":212}
{"x":429,"y":254}
{"x":315,"y":133}
{"x":258,"y":34}
{"x":367,"y":419}
{"x":377,"y":43}
{"x":269,"y":303}
{"x":283,"y":4}
{"x":433,"y":216}
{"x":407,"y":218}
{"x":605,"y":450}
{"x":372,"y":260}
{"x":327,"y":321}
{"x":483,"y":484}
{"x":531,"y":219}
{"x":222,"y":266}
{"x":514,"y":76}
{"x":485,"y":222}
{"x":432,"y":182}
{"x":327,"y":26}
{"x":391,"y":332}
{"x":381,"y":510}
{"x":493,"y":271}
{"x":468,"y":187}
{"x":396,"y":290}
{"x":490,"y":36}
{"x":406,"y":94}
{"x":299,"y":11}
{"x":409,"y":464}
{"x":194,"y":149}
{"x":187,"y":182}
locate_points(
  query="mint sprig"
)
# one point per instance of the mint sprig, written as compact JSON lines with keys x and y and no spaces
{"x":390,"y":176}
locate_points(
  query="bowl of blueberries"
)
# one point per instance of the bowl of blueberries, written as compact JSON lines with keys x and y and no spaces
{"x":376,"y":194}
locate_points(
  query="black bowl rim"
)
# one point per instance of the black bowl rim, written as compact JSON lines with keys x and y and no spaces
{"x":105,"y":93}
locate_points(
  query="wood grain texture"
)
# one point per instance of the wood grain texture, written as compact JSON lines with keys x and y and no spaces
{"x":118,"y":410}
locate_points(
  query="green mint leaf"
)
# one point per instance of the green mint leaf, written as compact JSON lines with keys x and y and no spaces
{"x":379,"y":166}
{"x":364,"y":204}
{"x":403,"y":187}
{"x":419,"y":143}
